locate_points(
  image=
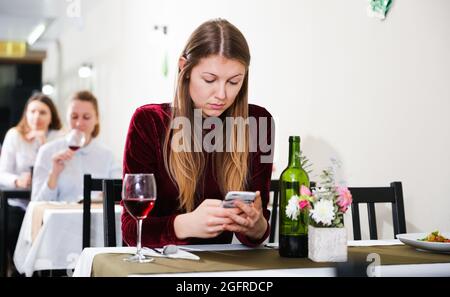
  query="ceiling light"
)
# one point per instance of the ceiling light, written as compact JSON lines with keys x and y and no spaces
{"x":85,"y":71}
{"x":36,"y":33}
{"x":48,"y":89}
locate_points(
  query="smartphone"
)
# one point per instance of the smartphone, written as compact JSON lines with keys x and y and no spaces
{"x":246,"y":197}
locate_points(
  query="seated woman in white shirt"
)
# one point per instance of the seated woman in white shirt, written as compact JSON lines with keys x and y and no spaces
{"x":40,"y":123}
{"x":58,"y":171}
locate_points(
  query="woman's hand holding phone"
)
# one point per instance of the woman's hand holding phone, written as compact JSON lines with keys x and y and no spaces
{"x":212,"y":217}
{"x":206,"y":221}
{"x":250,"y":221}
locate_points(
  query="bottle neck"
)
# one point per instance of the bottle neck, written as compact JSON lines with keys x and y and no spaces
{"x":294,"y":154}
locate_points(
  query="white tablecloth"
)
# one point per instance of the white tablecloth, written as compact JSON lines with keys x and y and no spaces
{"x":84,"y":264}
{"x":58,"y":243}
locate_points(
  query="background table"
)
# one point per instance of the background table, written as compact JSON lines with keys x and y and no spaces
{"x":58,"y":242}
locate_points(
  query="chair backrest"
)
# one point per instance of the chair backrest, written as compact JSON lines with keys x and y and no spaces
{"x":392,"y":194}
{"x":275,"y":189}
{"x":112,"y":192}
{"x":89,"y":184}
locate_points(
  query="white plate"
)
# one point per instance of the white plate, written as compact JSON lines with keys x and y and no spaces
{"x":412,"y":239}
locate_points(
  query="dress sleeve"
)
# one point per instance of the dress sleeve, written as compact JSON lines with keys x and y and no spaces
{"x":261,"y":172}
{"x":142,"y":155}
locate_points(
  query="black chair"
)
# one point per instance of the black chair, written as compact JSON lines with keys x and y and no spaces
{"x":275,"y":189}
{"x":392,"y":194}
{"x":112,"y":193}
{"x":89,"y":184}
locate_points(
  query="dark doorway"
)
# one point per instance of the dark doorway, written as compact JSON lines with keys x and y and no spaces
{"x":17,"y":83}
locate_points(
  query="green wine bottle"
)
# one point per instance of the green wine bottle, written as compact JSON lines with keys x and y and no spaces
{"x":293,"y":232}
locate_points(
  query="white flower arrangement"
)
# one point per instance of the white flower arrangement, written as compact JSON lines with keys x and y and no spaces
{"x":326,"y":204}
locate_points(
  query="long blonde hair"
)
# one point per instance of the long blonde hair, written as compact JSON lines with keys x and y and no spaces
{"x":214,"y":37}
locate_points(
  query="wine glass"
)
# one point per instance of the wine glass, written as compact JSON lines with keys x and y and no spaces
{"x":139,"y":196}
{"x":76,"y":139}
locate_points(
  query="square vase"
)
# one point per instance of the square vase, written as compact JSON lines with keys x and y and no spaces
{"x":327,"y":244}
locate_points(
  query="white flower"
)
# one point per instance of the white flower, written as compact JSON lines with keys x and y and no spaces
{"x":292,"y":209}
{"x":323,"y":212}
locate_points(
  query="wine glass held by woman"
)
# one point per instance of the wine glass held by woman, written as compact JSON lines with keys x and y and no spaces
{"x":76,"y":139}
{"x":193,"y":172}
{"x":59,"y":170}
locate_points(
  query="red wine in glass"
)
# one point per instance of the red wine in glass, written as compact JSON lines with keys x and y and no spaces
{"x":76,"y":139}
{"x":139,"y":208}
{"x":138,"y":197}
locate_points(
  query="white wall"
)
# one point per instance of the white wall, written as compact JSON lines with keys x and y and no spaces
{"x":373,"y":94}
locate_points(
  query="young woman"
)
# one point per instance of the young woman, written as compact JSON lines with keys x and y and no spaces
{"x":192,"y":179}
{"x":58,"y":172}
{"x":39,"y":123}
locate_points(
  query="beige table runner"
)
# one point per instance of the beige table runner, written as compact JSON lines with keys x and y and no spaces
{"x":39,"y":210}
{"x":113,"y":264}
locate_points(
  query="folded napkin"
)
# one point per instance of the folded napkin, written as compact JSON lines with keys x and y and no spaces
{"x":180,"y":254}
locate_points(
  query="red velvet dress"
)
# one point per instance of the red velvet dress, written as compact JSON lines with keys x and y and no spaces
{"x":144,"y":154}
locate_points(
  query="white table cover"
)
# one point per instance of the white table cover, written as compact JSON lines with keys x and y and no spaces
{"x":58,"y":243}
